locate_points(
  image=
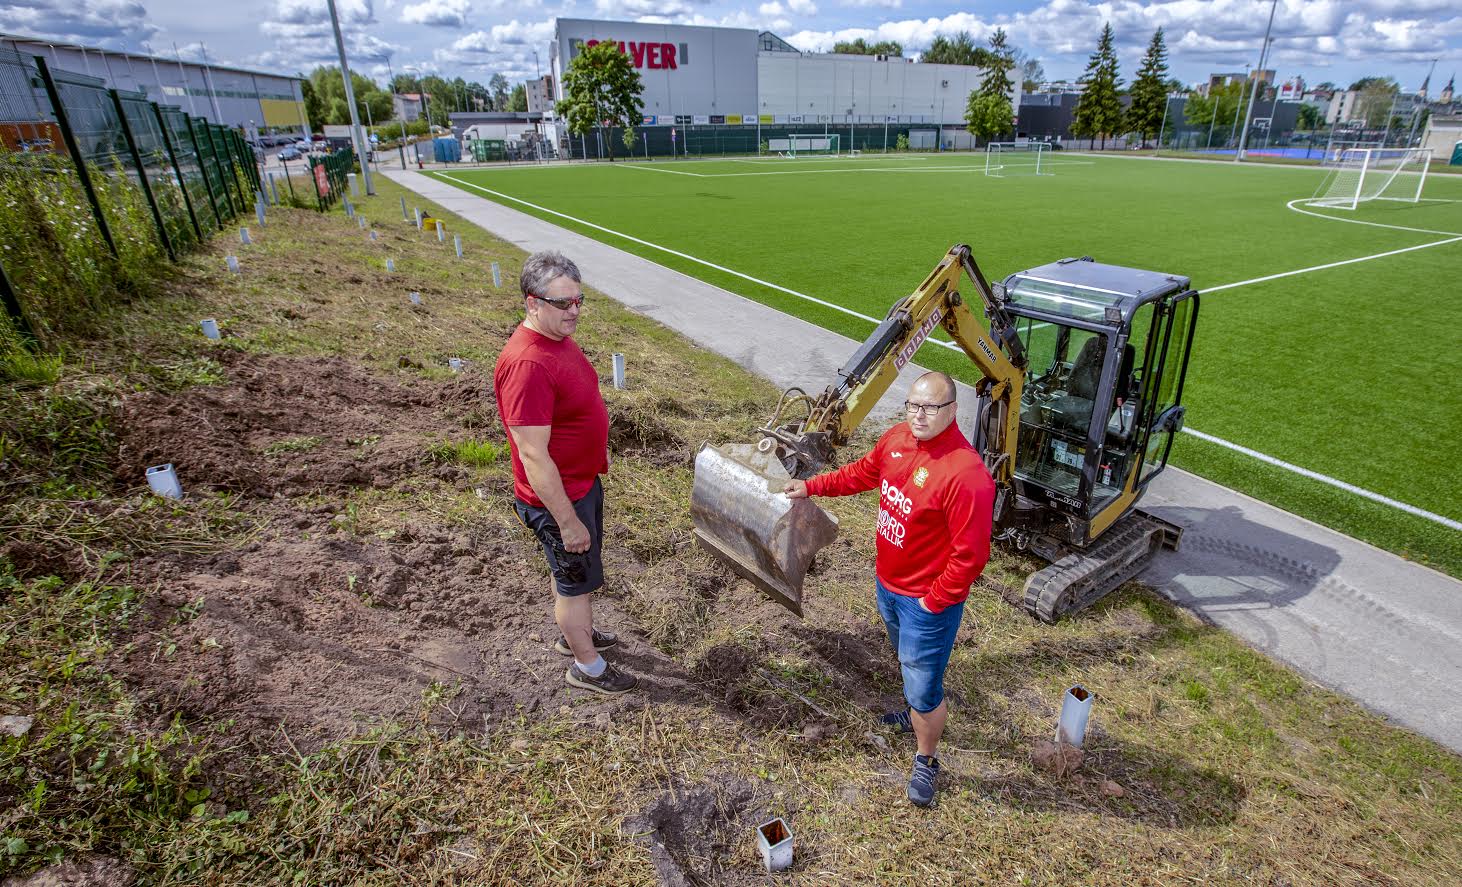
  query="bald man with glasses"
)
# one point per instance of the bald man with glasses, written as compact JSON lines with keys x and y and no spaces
{"x":558,"y":429}
{"x":933,"y":541}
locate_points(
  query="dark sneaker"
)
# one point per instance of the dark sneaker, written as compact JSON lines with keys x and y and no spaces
{"x":603,"y":640}
{"x":612,"y":682}
{"x":898,"y":721}
{"x":921,"y":783}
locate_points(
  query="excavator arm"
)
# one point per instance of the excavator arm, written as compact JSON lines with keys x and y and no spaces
{"x":737,"y":505}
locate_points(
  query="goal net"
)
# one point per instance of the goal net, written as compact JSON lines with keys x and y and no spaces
{"x":1365,"y":174}
{"x":806,"y":145}
{"x":1017,"y":159}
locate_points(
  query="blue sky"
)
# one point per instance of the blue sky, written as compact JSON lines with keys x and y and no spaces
{"x":1319,"y":39}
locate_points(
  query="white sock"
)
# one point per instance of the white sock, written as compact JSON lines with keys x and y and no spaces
{"x":593,"y":669}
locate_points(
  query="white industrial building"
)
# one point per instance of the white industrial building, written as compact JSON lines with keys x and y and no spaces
{"x":736,"y":76}
{"x":237,"y":97}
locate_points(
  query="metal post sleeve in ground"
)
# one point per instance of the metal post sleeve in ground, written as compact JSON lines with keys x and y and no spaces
{"x":69,"y":138}
{"x":162,"y":228}
{"x":167,"y":142}
{"x":203,"y":171}
{"x":17,"y":314}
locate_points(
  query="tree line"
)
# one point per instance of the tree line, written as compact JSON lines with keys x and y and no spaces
{"x":325,"y":102}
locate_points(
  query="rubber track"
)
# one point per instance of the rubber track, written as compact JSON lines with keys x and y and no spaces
{"x":1083,"y":571}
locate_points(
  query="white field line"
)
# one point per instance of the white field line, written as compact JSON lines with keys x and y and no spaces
{"x":672,"y":172}
{"x":1304,"y":472}
{"x":1340,"y":484}
{"x":1293,"y":205}
{"x":1394,"y":252}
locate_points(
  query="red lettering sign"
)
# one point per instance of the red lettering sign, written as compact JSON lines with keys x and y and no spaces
{"x":654,"y":55}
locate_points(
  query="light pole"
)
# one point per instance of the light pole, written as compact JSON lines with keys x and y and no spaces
{"x":1240,"y":103}
{"x":357,"y":138}
{"x":1258,"y":76}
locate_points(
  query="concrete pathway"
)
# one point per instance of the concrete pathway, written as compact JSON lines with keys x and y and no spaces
{"x":1355,"y":618}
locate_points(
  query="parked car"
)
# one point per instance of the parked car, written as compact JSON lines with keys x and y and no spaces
{"x":290,"y":153}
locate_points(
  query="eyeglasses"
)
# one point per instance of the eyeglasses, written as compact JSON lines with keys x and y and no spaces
{"x":928,"y":409}
{"x":561,"y":304}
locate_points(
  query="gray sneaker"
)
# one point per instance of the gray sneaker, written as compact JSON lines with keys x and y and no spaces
{"x":611,"y":683}
{"x":603,"y":640}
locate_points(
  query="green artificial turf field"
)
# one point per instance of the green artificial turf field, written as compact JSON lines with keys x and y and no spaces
{"x":1348,"y":371}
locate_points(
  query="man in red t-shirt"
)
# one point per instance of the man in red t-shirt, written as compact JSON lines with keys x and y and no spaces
{"x":937,"y":502}
{"x":558,"y":430}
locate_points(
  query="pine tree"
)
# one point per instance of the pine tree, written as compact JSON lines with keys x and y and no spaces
{"x":1149,"y":90}
{"x":999,"y":65}
{"x":1099,"y":111}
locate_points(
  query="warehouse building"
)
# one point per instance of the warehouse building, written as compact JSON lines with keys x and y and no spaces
{"x":747,"y":82}
{"x":260,"y":103}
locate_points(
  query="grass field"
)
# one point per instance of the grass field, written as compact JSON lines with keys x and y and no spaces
{"x":1345,"y":371}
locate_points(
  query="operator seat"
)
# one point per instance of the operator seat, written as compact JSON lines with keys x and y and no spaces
{"x":1073,"y":409}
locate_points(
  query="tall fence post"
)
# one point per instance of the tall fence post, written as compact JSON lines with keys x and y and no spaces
{"x":162,"y":228}
{"x":203,"y":170}
{"x":17,"y":314}
{"x":233,"y":169}
{"x":76,"y":156}
{"x":219,"y":169}
{"x":167,"y":142}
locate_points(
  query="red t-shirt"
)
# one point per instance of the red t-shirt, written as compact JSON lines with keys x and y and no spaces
{"x":937,"y":502}
{"x":540,"y":381}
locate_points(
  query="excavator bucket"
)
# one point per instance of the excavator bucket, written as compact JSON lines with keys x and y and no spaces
{"x":742,"y":516}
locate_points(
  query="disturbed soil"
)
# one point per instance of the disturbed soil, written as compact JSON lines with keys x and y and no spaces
{"x":323,"y":631}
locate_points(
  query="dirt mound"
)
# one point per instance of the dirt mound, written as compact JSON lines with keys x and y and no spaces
{"x":33,"y":559}
{"x":291,"y":425}
{"x":694,"y":831}
{"x":93,"y":871}
{"x":327,"y":634}
{"x":734,"y":673}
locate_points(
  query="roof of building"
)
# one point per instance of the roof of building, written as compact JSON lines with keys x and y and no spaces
{"x":21,"y":39}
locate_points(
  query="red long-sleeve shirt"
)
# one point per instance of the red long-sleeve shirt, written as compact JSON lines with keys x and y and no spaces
{"x":937,"y":502}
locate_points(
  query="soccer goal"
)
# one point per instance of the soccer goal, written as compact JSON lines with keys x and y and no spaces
{"x":1365,"y":174}
{"x":794,"y":145}
{"x":1017,"y":159}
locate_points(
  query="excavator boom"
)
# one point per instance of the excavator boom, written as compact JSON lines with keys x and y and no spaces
{"x":739,"y":511}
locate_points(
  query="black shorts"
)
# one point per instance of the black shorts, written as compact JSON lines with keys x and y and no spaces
{"x":573,"y":573}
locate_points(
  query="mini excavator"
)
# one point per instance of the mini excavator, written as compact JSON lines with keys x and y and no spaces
{"x":1082,"y":368}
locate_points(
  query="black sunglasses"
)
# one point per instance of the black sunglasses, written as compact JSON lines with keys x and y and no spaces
{"x":561,"y":304}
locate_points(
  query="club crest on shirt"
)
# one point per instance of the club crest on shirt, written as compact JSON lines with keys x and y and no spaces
{"x":920,"y":476}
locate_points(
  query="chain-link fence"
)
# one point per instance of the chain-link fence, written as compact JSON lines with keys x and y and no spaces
{"x":731,"y":140}
{"x":99,"y":185}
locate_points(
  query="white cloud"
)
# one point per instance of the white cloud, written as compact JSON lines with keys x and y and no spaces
{"x":887,"y":4}
{"x":637,"y":9}
{"x":770,"y":9}
{"x":802,"y":7}
{"x":437,"y":13}
{"x":109,"y":24}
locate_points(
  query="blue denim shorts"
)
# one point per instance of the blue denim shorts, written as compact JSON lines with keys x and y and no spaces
{"x":923,"y":642}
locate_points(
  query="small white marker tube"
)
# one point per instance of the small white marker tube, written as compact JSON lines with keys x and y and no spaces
{"x":457,"y":241}
{"x":390,"y":264}
{"x":416,"y":298}
{"x":209,"y":327}
{"x":164,"y":481}
{"x":441,"y":233}
{"x":455,"y":363}
{"x":404,"y":216}
{"x":497,"y":275}
{"x":244,"y":236}
{"x":233,"y":263}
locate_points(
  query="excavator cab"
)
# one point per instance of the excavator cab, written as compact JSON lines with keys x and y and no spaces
{"x":1080,"y":393}
{"x":1107,"y":351}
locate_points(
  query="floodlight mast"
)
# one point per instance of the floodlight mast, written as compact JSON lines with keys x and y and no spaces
{"x":1258,"y":75}
{"x":357,"y":138}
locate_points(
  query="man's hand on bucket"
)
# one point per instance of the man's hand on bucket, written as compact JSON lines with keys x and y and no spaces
{"x":796,"y":489}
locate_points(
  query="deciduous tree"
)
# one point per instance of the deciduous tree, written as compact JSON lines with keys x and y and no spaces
{"x":602,"y":88}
